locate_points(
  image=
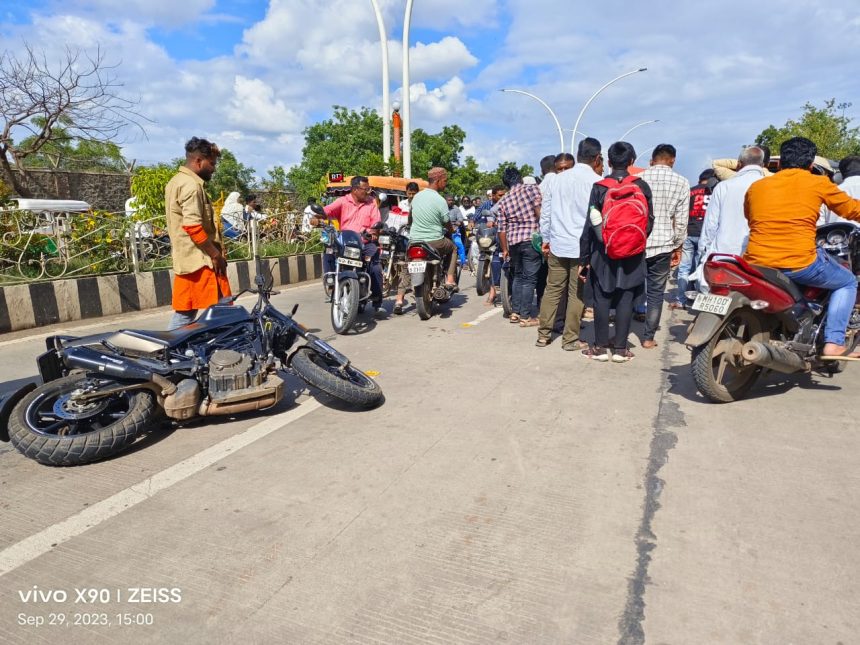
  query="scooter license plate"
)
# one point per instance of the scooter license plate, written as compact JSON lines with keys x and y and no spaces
{"x":417,"y":267}
{"x":350,"y":263}
{"x":712,"y":304}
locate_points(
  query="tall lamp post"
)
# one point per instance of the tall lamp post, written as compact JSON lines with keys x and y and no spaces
{"x":594,"y":96}
{"x":548,"y":109}
{"x":638,"y":125}
{"x":386,"y":110}
{"x":407,"y":123}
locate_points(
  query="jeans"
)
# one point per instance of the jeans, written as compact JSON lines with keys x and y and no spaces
{"x":562,"y":276}
{"x":689,"y":260}
{"x":182,"y":318}
{"x":496,"y":266}
{"x":827,"y":273}
{"x":525,"y":266}
{"x":461,"y":250}
{"x":655,"y":287}
{"x":622,"y":301}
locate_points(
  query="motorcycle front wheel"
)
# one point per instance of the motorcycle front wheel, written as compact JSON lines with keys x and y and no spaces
{"x":50,"y":427}
{"x":350,"y":384}
{"x":483,"y":276}
{"x":344,"y":306}
{"x":718,"y":370}
{"x":505,"y":288}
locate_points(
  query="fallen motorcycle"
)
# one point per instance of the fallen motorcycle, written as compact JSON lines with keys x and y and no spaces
{"x":101,"y":392}
{"x":756,"y":318}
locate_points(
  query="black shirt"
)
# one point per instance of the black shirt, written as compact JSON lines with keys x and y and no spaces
{"x":699,"y":197}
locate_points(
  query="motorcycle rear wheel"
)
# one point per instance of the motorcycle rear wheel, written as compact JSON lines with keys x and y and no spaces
{"x":344,"y":306}
{"x":715,"y":376}
{"x":48,"y":427}
{"x":424,"y":297}
{"x":351,"y":385}
{"x":505,"y":288}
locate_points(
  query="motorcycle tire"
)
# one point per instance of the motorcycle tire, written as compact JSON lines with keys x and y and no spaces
{"x":424,"y":297}
{"x":505,"y":288}
{"x":483,"y":276}
{"x":741,"y":325}
{"x":356,"y":388}
{"x":107,"y":426}
{"x":344,"y":306}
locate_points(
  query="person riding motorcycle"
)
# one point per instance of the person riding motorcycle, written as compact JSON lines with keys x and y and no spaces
{"x":782,"y":211}
{"x":356,"y":212}
{"x":430,"y":222}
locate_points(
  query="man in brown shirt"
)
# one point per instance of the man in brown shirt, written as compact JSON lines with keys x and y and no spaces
{"x":196,"y":245}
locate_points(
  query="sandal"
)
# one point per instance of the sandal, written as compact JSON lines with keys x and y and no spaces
{"x":542,"y":342}
{"x":575,"y":346}
{"x":398,"y":308}
{"x":514,"y":319}
{"x":529,"y":322}
{"x":622,"y":355}
{"x":596,"y":354}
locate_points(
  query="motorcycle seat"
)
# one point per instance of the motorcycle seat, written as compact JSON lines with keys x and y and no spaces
{"x":779,"y":279}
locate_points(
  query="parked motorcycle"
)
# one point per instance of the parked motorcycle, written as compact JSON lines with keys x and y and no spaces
{"x":392,"y":249}
{"x":487,"y":246}
{"x":348,"y":286}
{"x":756,"y":318}
{"x":428,"y":273}
{"x":101,"y":392}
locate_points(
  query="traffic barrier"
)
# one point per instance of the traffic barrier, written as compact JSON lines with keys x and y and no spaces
{"x":24,"y":306}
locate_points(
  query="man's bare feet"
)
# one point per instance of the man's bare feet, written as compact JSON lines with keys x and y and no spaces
{"x":832,"y":350}
{"x":649,"y":344}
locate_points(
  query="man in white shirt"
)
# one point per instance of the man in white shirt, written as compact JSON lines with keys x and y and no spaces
{"x":671,"y":195}
{"x":725,"y":228}
{"x":849,"y":168}
{"x":563,"y":214}
{"x":307,"y":215}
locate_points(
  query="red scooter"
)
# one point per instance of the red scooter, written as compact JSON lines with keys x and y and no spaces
{"x":756,"y":318}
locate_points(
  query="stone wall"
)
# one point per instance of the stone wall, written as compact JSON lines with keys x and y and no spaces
{"x":102,"y":190}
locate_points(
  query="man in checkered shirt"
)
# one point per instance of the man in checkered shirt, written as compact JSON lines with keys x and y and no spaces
{"x":519,"y":218}
{"x":671,"y":195}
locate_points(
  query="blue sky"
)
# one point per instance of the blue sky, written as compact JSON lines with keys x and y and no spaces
{"x":251,"y":74}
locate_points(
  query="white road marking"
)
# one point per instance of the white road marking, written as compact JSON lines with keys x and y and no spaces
{"x":42,"y":542}
{"x":484,"y":316}
{"x":121,"y":319}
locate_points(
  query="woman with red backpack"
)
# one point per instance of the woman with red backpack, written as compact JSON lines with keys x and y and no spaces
{"x":612,"y":249}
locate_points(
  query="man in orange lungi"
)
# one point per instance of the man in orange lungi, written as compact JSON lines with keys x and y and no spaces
{"x":196,"y":245}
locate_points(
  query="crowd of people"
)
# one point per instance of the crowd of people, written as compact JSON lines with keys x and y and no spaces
{"x":596,"y":238}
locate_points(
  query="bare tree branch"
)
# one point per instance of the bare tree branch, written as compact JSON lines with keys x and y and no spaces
{"x":77,"y":98}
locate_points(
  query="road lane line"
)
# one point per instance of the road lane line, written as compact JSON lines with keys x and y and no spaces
{"x":484,"y":316}
{"x":44,"y":541}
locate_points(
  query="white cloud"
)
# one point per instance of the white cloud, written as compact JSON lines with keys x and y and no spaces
{"x":255,"y":108}
{"x":167,"y":13}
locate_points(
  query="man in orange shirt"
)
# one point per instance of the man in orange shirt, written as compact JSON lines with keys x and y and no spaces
{"x":782,"y":211}
{"x":195,"y":241}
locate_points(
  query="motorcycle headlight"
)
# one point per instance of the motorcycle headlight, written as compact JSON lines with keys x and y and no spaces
{"x":352,"y":253}
{"x":485,"y":242}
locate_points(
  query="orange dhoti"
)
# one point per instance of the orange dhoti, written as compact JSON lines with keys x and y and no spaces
{"x":199,"y":290}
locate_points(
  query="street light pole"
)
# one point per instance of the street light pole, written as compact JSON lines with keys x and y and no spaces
{"x":407,"y":123}
{"x":638,"y":125}
{"x":386,"y":110}
{"x":594,"y":96}
{"x":548,"y":108}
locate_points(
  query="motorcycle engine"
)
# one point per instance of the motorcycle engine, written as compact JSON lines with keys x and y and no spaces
{"x":230,"y":371}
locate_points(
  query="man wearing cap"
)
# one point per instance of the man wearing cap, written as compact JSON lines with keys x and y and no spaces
{"x":700,"y":194}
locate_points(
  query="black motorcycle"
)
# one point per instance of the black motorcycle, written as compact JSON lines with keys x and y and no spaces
{"x":348,"y":286}
{"x":427,"y":272}
{"x":101,"y":392}
{"x":392,"y":257}
{"x":488,"y":244}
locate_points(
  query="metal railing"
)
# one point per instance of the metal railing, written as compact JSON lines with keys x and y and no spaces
{"x":38,"y":246}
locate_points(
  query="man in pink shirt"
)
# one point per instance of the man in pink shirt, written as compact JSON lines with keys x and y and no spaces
{"x":357,"y":212}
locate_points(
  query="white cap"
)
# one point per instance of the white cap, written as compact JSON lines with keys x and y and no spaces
{"x":528,"y":180}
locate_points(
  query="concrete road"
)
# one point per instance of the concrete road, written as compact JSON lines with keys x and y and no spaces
{"x":503,"y":493}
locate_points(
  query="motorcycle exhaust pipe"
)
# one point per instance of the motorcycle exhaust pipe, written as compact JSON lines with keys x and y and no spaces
{"x":209,"y":408}
{"x":774,"y":358}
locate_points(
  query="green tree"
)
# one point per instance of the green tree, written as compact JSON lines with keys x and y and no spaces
{"x":277,"y":187}
{"x":65,"y":151}
{"x":432,"y":150}
{"x":147,"y":187}
{"x":467,"y":179}
{"x":827,"y":126}
{"x":230,"y":174}
{"x":494,"y":177}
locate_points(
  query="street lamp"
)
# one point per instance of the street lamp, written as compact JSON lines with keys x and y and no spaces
{"x":593,"y":96}
{"x":548,"y":108}
{"x":622,"y":137}
{"x":407,"y":124}
{"x":386,"y":111}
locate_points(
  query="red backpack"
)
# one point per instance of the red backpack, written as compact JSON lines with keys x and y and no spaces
{"x":625,"y":218}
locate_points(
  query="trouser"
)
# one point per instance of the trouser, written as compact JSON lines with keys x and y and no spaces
{"x":655,"y":287}
{"x":461,"y":250}
{"x":182,"y":318}
{"x":374,"y":269}
{"x":622,"y":301}
{"x":689,"y":260}
{"x":827,"y":273}
{"x":525,"y":266}
{"x":540,"y":287}
{"x":562,"y":277}
{"x":448,"y":251}
{"x":496,"y":267}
